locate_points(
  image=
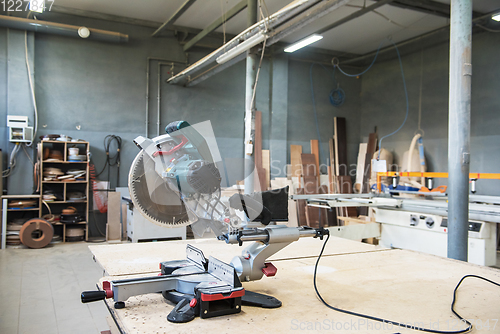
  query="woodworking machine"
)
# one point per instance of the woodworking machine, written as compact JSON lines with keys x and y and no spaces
{"x":175,"y":181}
{"x":420,"y":223}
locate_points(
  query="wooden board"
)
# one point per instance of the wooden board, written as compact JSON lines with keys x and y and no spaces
{"x":395,"y":284}
{"x":331,"y":145}
{"x":345,"y":186}
{"x":336,"y":147}
{"x":315,"y":152}
{"x":266,"y":164}
{"x":113,"y":227}
{"x":310,"y":185}
{"x":295,"y":160}
{"x":261,"y":181}
{"x":324,"y":212}
{"x":301,"y":208}
{"x":370,"y":150}
{"x":360,"y":167}
{"x":308,"y":165}
{"x":341,"y":143}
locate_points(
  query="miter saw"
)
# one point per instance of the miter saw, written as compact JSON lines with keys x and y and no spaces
{"x":175,"y":181}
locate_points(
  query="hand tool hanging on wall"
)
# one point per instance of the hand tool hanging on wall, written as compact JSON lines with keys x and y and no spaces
{"x":112,"y":160}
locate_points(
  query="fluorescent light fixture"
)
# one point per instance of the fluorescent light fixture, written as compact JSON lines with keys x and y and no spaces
{"x":496,"y":17}
{"x":306,"y":41}
{"x":242,"y":47}
{"x":37,"y":5}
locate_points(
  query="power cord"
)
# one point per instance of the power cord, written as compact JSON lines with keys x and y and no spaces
{"x":395,"y":323}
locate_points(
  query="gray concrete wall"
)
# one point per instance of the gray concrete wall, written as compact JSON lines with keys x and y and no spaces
{"x":383,"y":105}
{"x":301,"y":120}
{"x":89,"y":89}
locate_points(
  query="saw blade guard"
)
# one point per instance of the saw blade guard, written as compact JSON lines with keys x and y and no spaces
{"x":176,"y":181}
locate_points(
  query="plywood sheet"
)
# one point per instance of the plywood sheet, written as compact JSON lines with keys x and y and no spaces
{"x":113,"y":226}
{"x":370,"y":149}
{"x":295,"y":160}
{"x":356,"y":282}
{"x":360,"y":167}
{"x":139,"y":258}
{"x":266,"y":164}
{"x":308,"y":165}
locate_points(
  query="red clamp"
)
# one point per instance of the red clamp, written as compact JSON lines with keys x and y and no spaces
{"x":107,"y":288}
{"x":269,"y":269}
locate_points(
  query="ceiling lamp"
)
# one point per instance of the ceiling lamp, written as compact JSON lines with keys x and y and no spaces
{"x":306,"y":41}
{"x":496,"y":17}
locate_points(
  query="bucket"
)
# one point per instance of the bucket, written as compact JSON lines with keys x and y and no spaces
{"x":73,"y":151}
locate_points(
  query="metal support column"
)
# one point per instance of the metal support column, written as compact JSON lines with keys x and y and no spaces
{"x":251,"y":71}
{"x":459,"y":128}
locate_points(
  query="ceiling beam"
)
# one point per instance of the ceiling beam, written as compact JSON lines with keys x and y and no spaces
{"x":354,"y":15}
{"x":369,"y":56}
{"x":174,"y":17}
{"x":128,"y":20}
{"x":100,"y":16}
{"x":217,"y":23}
{"x":428,"y":7}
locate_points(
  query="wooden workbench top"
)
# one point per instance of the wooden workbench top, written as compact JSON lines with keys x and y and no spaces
{"x":399,"y":285}
{"x":138,"y":258}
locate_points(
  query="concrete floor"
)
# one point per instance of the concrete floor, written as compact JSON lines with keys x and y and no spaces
{"x":40,"y":290}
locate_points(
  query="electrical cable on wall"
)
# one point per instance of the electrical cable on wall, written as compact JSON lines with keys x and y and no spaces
{"x":336,"y":65}
{"x":336,"y":97}
{"x":12,"y":161}
{"x":32,"y":86}
{"x":396,"y":323}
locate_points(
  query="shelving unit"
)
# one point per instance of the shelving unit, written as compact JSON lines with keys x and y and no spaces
{"x":62,"y":188}
{"x":11,"y":214}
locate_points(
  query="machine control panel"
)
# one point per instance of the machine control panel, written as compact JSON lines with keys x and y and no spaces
{"x":473,"y":226}
{"x":429,"y":222}
{"x":415,"y":220}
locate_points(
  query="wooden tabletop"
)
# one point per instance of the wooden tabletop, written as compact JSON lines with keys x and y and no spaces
{"x":139,"y":258}
{"x":398,"y":285}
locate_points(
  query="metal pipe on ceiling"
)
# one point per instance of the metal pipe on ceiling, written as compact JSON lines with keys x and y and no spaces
{"x":459,"y":128}
{"x":62,"y":29}
{"x":290,"y":12}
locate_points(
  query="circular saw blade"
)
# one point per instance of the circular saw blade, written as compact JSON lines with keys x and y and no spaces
{"x":152,"y":196}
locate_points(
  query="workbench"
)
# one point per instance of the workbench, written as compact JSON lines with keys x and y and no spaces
{"x":398,"y":285}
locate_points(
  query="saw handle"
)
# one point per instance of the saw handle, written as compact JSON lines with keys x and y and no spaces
{"x":92,"y":296}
